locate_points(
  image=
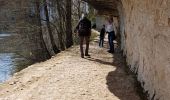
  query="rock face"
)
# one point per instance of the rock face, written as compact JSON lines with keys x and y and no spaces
{"x":147,"y":44}
{"x":145,"y":40}
{"x":7,"y":15}
{"x":18,"y":17}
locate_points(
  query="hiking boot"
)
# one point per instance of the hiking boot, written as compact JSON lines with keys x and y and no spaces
{"x":87,"y":55}
{"x":110,"y":51}
{"x":82,"y":56}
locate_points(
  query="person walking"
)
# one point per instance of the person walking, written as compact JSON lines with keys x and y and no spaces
{"x":111,"y":34}
{"x":84,"y":32}
{"x":102,"y":35}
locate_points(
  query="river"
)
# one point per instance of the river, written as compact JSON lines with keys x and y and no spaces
{"x":10,"y":61}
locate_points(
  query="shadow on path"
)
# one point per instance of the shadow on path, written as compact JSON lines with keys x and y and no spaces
{"x":120,"y":82}
{"x":99,"y":61}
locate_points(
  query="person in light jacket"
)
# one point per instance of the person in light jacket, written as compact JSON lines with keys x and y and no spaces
{"x":111,"y":29}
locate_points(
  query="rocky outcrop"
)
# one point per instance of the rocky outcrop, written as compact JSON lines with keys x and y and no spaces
{"x":147,"y":44}
{"x":145,"y":40}
{"x":18,"y":17}
{"x":44,"y":26}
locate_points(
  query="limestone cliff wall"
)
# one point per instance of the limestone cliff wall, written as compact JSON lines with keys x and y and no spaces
{"x":146,"y":42}
{"x":18,"y":17}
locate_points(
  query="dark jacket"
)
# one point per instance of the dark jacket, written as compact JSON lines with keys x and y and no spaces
{"x":102,"y":33}
{"x":87,"y":31}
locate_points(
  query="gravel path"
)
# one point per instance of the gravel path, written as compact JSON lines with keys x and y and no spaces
{"x":69,"y":77}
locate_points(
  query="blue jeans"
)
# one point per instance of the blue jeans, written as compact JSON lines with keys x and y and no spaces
{"x":111,"y":37}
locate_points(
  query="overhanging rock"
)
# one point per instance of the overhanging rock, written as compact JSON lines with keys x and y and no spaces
{"x":105,"y":7}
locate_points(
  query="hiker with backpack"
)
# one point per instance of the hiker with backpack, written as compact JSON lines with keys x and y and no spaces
{"x":84,"y":32}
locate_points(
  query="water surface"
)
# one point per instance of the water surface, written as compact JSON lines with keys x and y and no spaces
{"x":10,"y":62}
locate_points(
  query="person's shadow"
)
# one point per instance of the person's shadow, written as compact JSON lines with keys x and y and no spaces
{"x":99,"y":61}
{"x":120,"y":82}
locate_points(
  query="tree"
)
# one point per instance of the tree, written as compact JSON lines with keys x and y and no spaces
{"x":55,"y":48}
{"x":69,"y":39}
{"x":42,"y":42}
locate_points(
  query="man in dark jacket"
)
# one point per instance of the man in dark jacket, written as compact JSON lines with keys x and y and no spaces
{"x":84,"y":32}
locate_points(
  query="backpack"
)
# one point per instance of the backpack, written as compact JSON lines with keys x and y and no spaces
{"x":83,"y":27}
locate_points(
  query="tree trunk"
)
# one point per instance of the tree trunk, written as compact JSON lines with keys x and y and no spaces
{"x":69,"y":39}
{"x":42,"y":42}
{"x":61,"y":29}
{"x":79,"y":10}
{"x":56,"y":50}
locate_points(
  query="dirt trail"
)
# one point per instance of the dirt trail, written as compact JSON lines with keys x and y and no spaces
{"x":69,"y":77}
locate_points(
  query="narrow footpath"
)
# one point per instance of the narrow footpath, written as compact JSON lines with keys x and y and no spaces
{"x":69,"y":77}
